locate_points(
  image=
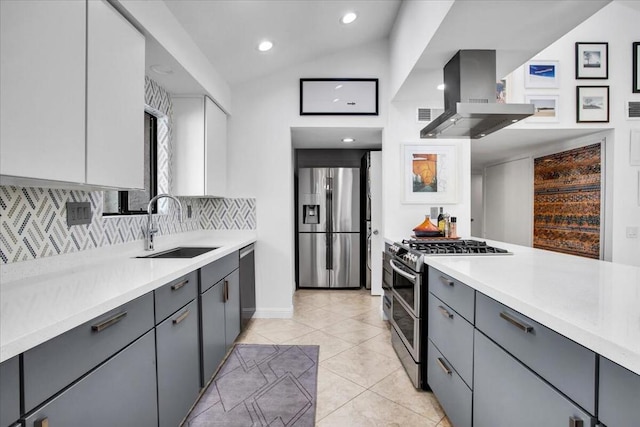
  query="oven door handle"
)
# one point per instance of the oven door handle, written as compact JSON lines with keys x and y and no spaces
{"x":402,"y":272}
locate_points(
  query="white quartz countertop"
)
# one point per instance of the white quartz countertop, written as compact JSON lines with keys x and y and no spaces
{"x":594,"y":303}
{"x":43,"y":298}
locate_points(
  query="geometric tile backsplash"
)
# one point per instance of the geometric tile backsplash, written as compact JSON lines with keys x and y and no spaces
{"x":33,"y":222}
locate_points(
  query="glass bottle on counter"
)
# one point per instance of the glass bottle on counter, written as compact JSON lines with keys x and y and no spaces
{"x":441,"y":221}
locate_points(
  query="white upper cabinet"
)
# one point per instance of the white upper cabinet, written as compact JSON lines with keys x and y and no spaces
{"x":200,"y":148}
{"x":42,"y":75}
{"x":115,"y":99}
{"x":72,"y":104}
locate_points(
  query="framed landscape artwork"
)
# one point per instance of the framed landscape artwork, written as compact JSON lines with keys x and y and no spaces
{"x":339,"y":97}
{"x":592,"y":60}
{"x":546,"y":108}
{"x":430,"y":173}
{"x":541,"y":74}
{"x":592,"y":104}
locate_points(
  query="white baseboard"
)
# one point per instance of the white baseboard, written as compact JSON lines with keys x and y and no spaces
{"x":273,"y":313}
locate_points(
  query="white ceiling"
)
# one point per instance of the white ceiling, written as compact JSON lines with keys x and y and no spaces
{"x":228,"y":31}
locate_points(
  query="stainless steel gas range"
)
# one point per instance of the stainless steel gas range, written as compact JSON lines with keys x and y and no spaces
{"x":408,"y":295}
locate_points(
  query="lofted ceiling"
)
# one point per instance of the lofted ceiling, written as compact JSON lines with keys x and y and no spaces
{"x":228,"y":32}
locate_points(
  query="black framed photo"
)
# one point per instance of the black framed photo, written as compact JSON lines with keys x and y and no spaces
{"x":592,"y":60}
{"x":592,"y":104}
{"x":636,"y":67}
{"x":336,"y":97}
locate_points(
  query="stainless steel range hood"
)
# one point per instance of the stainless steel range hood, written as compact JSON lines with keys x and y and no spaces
{"x":470,"y":107}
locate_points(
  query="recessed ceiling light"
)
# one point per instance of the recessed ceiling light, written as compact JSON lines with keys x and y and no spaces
{"x":265,"y":45}
{"x":338,"y":87}
{"x":347,"y":140}
{"x":336,"y":99}
{"x":348,"y":17}
{"x":161,"y":69}
{"x":440,"y":86}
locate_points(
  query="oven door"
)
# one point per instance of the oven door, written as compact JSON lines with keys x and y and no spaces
{"x":406,"y":325}
{"x":406,"y":285}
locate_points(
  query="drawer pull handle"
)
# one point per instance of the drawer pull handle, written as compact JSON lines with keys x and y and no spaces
{"x":443,"y":366}
{"x":179,"y":285}
{"x":181,"y":317}
{"x":446,"y":313}
{"x":517,"y":323}
{"x":446,"y":281}
{"x":42,"y":422}
{"x":575,"y":422}
{"x":109,"y":322}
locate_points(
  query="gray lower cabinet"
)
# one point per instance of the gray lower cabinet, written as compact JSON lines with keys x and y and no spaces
{"x":213,"y":341}
{"x":452,"y":392}
{"x":53,"y":365}
{"x":178,"y":360}
{"x":9,"y":392}
{"x":232,"y":308}
{"x":121,"y":392}
{"x":619,"y":397}
{"x":506,"y":393}
{"x":247,"y":284}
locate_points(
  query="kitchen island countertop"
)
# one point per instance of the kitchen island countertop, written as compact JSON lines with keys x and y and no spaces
{"x":46,"y":297}
{"x":594,"y":303}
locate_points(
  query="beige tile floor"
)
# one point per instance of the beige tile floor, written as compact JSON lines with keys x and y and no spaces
{"x":360,"y":379}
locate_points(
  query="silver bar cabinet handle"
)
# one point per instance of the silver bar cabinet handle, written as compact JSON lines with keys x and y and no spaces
{"x":576,"y":422}
{"x":443,"y":366}
{"x":446,"y":313}
{"x":446,"y":281}
{"x":109,"y":322}
{"x":517,"y":323}
{"x":179,"y":285}
{"x":181,"y":317}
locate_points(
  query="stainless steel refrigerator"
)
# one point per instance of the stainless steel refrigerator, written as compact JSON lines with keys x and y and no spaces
{"x":328,"y":228}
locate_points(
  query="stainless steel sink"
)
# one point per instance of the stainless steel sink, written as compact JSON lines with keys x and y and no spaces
{"x":180,"y":252}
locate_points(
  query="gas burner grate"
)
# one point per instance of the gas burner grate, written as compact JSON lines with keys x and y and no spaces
{"x":439,"y":247}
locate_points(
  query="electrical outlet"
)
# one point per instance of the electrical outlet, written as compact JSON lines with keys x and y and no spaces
{"x":78,"y":213}
{"x":632,"y":232}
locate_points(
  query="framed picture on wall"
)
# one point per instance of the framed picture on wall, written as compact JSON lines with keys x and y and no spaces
{"x":542,"y":74}
{"x":592,"y":60}
{"x":636,"y":67}
{"x":429,"y":173}
{"x":339,"y":97}
{"x":592,"y":104}
{"x":546,"y":108}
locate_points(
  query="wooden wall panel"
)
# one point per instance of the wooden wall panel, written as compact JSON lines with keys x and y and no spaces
{"x":566,"y":204}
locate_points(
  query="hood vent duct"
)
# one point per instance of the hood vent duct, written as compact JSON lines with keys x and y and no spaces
{"x":470,"y":107}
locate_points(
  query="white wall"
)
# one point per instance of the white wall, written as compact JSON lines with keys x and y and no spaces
{"x":616,"y":24}
{"x":477,"y":205}
{"x":401,"y":218}
{"x":508,"y":202}
{"x":261,"y":158}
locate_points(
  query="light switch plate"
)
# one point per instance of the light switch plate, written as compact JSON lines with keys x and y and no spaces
{"x":632,"y":232}
{"x":78,"y":213}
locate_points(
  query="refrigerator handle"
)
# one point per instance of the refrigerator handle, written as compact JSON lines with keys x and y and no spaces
{"x":329,"y":218}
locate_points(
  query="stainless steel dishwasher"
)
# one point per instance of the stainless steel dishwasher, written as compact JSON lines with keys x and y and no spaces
{"x":247,"y":284}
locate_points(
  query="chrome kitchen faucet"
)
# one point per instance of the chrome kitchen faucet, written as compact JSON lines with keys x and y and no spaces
{"x":151,"y":229}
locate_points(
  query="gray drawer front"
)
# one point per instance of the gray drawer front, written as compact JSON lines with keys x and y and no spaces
{"x":213,"y":330}
{"x":452,"y":393}
{"x":566,"y":365}
{"x":453,"y":336}
{"x":212,"y":273}
{"x":507,"y":394}
{"x":619,"y":395}
{"x":9,"y":391}
{"x":121,"y":392}
{"x":175,"y":294}
{"x":453,"y":292}
{"x":58,"y":362}
{"x":178,"y":358}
